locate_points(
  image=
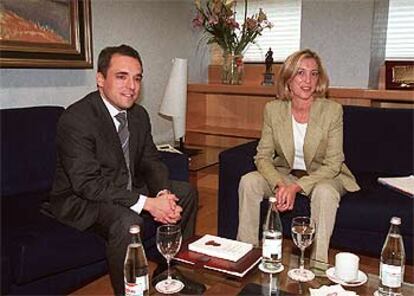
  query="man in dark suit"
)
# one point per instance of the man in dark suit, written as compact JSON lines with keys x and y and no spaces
{"x":109,"y":174}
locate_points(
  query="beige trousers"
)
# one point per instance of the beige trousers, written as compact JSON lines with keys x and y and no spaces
{"x":324,"y":202}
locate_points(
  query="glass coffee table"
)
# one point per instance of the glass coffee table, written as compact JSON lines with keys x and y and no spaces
{"x":221,"y":284}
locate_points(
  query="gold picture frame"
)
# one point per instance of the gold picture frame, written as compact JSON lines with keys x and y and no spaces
{"x":399,"y":75}
{"x":46,"y":34}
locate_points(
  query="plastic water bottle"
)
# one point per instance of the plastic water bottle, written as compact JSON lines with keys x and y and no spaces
{"x":392,"y":262}
{"x":136,"y":266}
{"x":272,"y":238}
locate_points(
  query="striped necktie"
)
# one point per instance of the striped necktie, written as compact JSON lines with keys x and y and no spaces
{"x":123,"y":134}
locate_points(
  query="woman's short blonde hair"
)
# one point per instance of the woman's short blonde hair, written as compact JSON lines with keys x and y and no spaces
{"x":290,"y":68}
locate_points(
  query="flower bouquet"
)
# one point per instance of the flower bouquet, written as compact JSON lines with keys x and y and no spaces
{"x":218,"y":19}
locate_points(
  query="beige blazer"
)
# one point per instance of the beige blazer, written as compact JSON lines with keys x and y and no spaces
{"x":323,"y":151}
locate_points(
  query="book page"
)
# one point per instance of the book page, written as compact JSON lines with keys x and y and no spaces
{"x":402,"y":184}
{"x":220,"y":247}
{"x":168,"y":148}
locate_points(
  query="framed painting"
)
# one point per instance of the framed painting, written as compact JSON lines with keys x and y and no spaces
{"x":399,"y":75}
{"x":45,"y":34}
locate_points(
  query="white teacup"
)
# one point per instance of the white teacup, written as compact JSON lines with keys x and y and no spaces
{"x":346,"y":266}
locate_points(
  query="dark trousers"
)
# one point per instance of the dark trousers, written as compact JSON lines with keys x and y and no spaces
{"x":113,"y":225}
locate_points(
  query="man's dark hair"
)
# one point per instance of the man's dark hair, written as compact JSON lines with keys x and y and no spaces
{"x":106,"y":54}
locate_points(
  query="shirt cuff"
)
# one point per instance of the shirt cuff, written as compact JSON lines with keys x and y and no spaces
{"x":164,"y":191}
{"x":139,"y":205}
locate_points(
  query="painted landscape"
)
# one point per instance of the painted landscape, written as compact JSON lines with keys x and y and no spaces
{"x":35,"y":21}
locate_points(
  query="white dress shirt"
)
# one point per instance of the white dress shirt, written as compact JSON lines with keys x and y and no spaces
{"x":299,"y":131}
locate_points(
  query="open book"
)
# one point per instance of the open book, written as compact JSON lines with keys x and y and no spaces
{"x":237,"y":269}
{"x":402,"y":184}
{"x":220,"y":247}
{"x":168,"y":148}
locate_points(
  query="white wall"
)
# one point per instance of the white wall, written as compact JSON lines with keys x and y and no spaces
{"x":159,"y":30}
{"x":340,"y":31}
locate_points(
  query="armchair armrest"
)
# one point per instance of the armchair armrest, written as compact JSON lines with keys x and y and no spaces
{"x":177,"y":165}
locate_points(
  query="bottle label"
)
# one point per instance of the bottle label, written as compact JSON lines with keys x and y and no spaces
{"x":272,"y":247}
{"x":391,"y":275}
{"x":138,"y":288}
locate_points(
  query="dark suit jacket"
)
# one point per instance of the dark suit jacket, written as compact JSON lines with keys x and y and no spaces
{"x":91,"y":168}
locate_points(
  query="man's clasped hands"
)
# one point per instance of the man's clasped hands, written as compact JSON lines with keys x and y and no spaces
{"x":164,"y":207}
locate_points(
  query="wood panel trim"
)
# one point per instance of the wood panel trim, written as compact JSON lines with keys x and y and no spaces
{"x":226,"y":131}
{"x":226,"y":89}
{"x":270,"y":91}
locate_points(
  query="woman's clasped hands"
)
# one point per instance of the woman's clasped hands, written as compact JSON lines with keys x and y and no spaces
{"x":285,"y":196}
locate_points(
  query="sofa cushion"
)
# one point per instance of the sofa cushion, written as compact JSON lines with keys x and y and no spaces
{"x":63,"y":283}
{"x":5,"y":272}
{"x":37,"y":245}
{"x":379,"y":140}
{"x":372,"y":207}
{"x":363,"y":218}
{"x":177,"y":165}
{"x":27,"y":148}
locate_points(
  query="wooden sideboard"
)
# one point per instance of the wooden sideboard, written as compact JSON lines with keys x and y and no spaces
{"x":227,"y":115}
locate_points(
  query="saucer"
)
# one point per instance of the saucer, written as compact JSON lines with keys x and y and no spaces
{"x":362,"y":278}
{"x":172,"y":287}
{"x":264,"y":269}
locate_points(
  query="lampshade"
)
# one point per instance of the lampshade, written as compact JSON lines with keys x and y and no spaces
{"x":174,"y":102}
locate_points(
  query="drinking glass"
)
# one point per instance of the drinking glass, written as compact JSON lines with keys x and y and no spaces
{"x":168,"y":243}
{"x":303,"y":232}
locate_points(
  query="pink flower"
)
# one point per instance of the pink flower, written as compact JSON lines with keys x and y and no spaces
{"x":213,"y":20}
{"x":251,"y":24}
{"x":198,"y":21}
{"x":231,"y":22}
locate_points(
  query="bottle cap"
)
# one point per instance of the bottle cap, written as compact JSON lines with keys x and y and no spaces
{"x":272,"y":199}
{"x":396,"y":220}
{"x":133,"y":229}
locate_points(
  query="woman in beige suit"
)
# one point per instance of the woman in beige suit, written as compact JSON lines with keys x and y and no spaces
{"x":300,"y":151}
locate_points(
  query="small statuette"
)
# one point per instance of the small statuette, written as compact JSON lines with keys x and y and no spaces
{"x":268,"y":75}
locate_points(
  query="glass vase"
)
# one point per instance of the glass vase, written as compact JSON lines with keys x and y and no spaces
{"x":232,"y":71}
